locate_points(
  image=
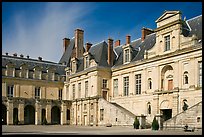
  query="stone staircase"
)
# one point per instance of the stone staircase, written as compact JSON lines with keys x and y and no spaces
{"x":191,"y":117}
{"x":115,"y":114}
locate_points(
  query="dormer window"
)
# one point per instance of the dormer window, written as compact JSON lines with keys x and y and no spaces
{"x":86,"y":62}
{"x":10,"y":70}
{"x":37,"y":73}
{"x":167,"y":43}
{"x":127,"y":55}
{"x":74,"y":65}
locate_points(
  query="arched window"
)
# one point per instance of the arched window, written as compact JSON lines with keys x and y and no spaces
{"x":185,"y":77}
{"x":150,"y":83}
{"x":148,"y":108}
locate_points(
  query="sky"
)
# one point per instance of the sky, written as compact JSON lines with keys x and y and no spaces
{"x":38,"y":28}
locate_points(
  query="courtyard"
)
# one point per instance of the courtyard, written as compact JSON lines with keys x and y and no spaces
{"x":86,"y":130}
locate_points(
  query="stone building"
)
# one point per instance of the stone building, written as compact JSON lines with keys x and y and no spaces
{"x":159,"y":74}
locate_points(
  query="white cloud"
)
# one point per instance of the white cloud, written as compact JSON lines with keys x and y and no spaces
{"x":43,"y":37}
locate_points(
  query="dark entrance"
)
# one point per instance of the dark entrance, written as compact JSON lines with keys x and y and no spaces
{"x":105,"y":95}
{"x":55,"y":115}
{"x":15,"y":116}
{"x":166,"y":114}
{"x":4,"y":115}
{"x":29,"y":115}
{"x":43,"y":118}
{"x":68,"y":116}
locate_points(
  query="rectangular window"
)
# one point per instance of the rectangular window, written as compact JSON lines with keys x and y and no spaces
{"x":101,"y":114}
{"x":138,"y":83}
{"x":10,"y":91}
{"x":127,"y":52}
{"x":84,"y":106}
{"x":92,"y":106}
{"x":167,"y":43}
{"x":104,"y":83}
{"x":87,"y":62}
{"x":60,"y":94}
{"x":115,"y":87}
{"x":126,"y":86}
{"x":86,"y":88}
{"x":37,"y":93}
{"x":79,"y":90}
{"x":200,"y":74}
{"x":73,"y":89}
{"x":91,"y":119}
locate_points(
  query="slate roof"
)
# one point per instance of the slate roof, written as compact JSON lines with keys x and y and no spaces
{"x":190,"y":27}
{"x":18,"y":61}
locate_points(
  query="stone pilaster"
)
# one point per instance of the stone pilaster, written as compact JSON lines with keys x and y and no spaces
{"x":10,"y":112}
{"x":48,"y":112}
{"x":37,"y":113}
{"x":21,"y":112}
{"x":175,"y":108}
{"x":155,"y":104}
{"x":63,"y":113}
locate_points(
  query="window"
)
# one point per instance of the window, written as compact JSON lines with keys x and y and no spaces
{"x":10,"y":91}
{"x":167,"y":43}
{"x":37,"y":93}
{"x":84,"y":106}
{"x":200,"y":74}
{"x":79,"y":90}
{"x":91,"y":119}
{"x":86,"y":88}
{"x":138,"y":83}
{"x":101,"y":114}
{"x":115,"y":87}
{"x":127,"y":53}
{"x":87,"y":62}
{"x":104,"y":83}
{"x":60,"y":94}
{"x":150,"y":83}
{"x":92,"y":106}
{"x":73,"y":89}
{"x":37,"y":74}
{"x":185,"y":77}
{"x":126,"y":86}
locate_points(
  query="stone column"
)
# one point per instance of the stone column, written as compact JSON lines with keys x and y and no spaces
{"x":160,"y":121}
{"x":48,"y":112}
{"x":63,"y":113}
{"x":142,"y":120}
{"x":10,"y":112}
{"x":21,"y":112}
{"x":37,"y":113}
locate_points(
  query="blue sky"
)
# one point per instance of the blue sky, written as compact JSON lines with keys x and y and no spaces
{"x":37,"y":28}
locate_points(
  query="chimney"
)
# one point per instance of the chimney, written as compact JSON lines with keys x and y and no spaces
{"x":21,"y":55}
{"x":79,"y":42}
{"x":110,"y":51}
{"x":6,"y":53}
{"x":88,"y":46}
{"x":15,"y":54}
{"x":117,"y":43}
{"x":27,"y":56}
{"x":40,"y":58}
{"x":128,"y":39}
{"x":145,"y":32}
{"x":66,"y":42}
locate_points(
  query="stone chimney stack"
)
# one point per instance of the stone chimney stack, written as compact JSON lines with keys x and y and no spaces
{"x":145,"y":32}
{"x":117,"y":43}
{"x":128,"y":39}
{"x":79,"y":42}
{"x":66,"y":42}
{"x":88,"y":46}
{"x":110,"y":51}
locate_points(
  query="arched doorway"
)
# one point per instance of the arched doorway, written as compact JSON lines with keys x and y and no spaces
{"x":166,"y":110}
{"x":55,"y":115}
{"x":15,"y":116}
{"x":167,"y":78}
{"x":4,"y":115}
{"x":29,"y":115}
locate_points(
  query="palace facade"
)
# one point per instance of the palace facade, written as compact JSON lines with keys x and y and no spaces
{"x":109,"y":83}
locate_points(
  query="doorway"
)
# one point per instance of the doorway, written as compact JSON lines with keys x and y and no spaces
{"x":105,"y":95}
{"x":166,"y":114}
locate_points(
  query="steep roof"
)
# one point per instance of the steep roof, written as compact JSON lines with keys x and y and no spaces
{"x":31,"y":63}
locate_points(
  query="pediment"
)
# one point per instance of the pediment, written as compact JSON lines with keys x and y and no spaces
{"x":167,"y":14}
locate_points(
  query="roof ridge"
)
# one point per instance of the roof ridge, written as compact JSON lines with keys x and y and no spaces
{"x":194,"y":18}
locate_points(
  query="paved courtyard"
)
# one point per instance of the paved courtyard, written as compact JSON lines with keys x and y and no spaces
{"x":86,"y":130}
